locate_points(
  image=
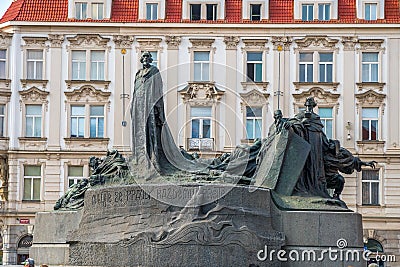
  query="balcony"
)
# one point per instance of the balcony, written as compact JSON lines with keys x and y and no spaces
{"x":200,"y":144}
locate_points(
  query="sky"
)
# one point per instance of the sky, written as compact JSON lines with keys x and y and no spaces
{"x":4,"y":4}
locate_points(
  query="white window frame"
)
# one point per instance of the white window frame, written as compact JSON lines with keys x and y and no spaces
{"x":309,"y":8}
{"x":324,"y":16}
{"x":153,"y":11}
{"x":370,"y":182}
{"x":306,"y":64}
{"x":246,"y":9}
{"x":326,"y":64}
{"x":299,"y":3}
{"x":75,"y":179}
{"x":4,"y":61}
{"x":77,"y":118}
{"x":32,"y":178}
{"x":87,"y":119}
{"x":186,"y":10}
{"x":202,"y":64}
{"x":89,"y":11}
{"x":262,"y":62}
{"x":214,"y":12}
{"x":79,"y":6}
{"x":143,"y":8}
{"x":370,"y":119}
{"x":97,"y":121}
{"x":254,"y":119}
{"x":324,"y":120}
{"x":201,"y":124}
{"x":35,"y":62}
{"x":33,"y":117}
{"x":380,"y":8}
{"x":99,"y":14}
{"x":88,"y":62}
{"x":378,"y":63}
{"x":316,"y":63}
{"x":3,"y":120}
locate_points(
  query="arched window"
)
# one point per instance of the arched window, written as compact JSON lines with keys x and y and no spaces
{"x":376,"y":248}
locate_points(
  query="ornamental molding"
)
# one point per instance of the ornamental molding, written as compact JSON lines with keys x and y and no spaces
{"x":201,"y":94}
{"x":254,"y":98}
{"x":231,"y":42}
{"x":88,"y":93}
{"x":35,"y":42}
{"x":284,"y":41}
{"x":56,"y":40}
{"x":322,"y":97}
{"x":255,"y":44}
{"x":316,"y":42}
{"x":370,"y":45}
{"x":370,"y":98}
{"x":34,"y":95}
{"x":150,"y":44}
{"x":5,"y":40}
{"x":173,"y":42}
{"x":349,"y":42}
{"x":123,"y":41}
{"x":201,"y":43}
{"x":88,"y":41}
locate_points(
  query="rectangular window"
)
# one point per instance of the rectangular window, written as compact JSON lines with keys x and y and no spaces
{"x":325,"y":67}
{"x":96,"y":121}
{"x":78,"y":65}
{"x":370,"y":187}
{"x":201,"y":122}
{"x":33,"y":121}
{"x":80,"y":10}
{"x":201,"y":66}
{"x":75,"y":174}
{"x":211,"y":11}
{"x":97,"y":11}
{"x":306,"y":67}
{"x":35,"y":64}
{"x":195,"y":12}
{"x":370,"y":124}
{"x":3,"y":57}
{"x":2,"y":120}
{"x":255,"y":12}
{"x":370,"y":11}
{"x":77,"y":121}
{"x":254,"y":66}
{"x":97,"y":63}
{"x":253,"y":122}
{"x":326,"y":115}
{"x":324,"y":11}
{"x":370,"y":66}
{"x":151,"y":11}
{"x":154,"y":56}
{"x":307,"y":12}
{"x":32,"y":180}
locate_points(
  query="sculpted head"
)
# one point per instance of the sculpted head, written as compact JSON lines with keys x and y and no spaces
{"x":146,"y":59}
{"x":278,"y":114}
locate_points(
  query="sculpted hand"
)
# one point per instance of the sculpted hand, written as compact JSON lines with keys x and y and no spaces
{"x":371,"y":164}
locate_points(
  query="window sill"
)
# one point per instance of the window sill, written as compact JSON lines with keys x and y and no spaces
{"x":42,"y":139}
{"x":370,"y":86}
{"x":323,"y":85}
{"x":34,"y":82}
{"x":31,"y":200}
{"x":259,"y":85}
{"x":79,"y":83}
{"x":370,"y":146}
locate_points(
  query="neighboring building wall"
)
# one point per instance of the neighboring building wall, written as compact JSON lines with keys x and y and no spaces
{"x":232,"y":53}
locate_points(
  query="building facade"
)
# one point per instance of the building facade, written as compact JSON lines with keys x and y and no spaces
{"x":67,"y":68}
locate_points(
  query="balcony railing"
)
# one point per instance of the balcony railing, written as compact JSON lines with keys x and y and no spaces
{"x":200,"y":144}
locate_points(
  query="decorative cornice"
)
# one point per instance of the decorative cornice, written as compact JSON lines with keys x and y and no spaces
{"x":255,"y":44}
{"x":231,"y":42}
{"x":370,"y":98}
{"x":173,"y":42}
{"x":283,"y":41}
{"x":370,"y":45}
{"x":201,"y":43}
{"x":320,"y":96}
{"x":123,"y":41}
{"x":148,"y":44}
{"x":201,"y":93}
{"x":88,"y":41}
{"x":34,"y":94}
{"x":254,"y":98}
{"x":5,"y":40}
{"x":35,"y":42}
{"x":349,"y":42}
{"x":87,"y":93}
{"x":56,"y":40}
{"x":316,"y":41}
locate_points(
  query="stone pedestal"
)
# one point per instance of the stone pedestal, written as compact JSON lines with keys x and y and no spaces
{"x":187,"y":225}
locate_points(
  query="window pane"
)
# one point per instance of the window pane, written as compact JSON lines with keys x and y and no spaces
{"x":206,"y":72}
{"x":96,"y":110}
{"x":93,"y":127}
{"x":258,"y":128}
{"x":249,"y":129}
{"x":254,"y":56}
{"x":365,"y":73}
{"x":255,"y":12}
{"x":2,"y":69}
{"x":258,"y":77}
{"x":211,"y":11}
{"x":197,"y":71}
{"x":329,"y":129}
{"x":74,"y":129}
{"x":97,"y":55}
{"x":309,"y":72}
{"x":35,"y":54}
{"x":374,"y":72}
{"x":326,"y":57}
{"x":374,"y":193}
{"x":365,"y":130}
{"x":29,"y":127}
{"x":201,"y":56}
{"x":79,"y":55}
{"x":325,"y":112}
{"x":32,"y":171}
{"x":200,"y":112}
{"x":38,"y":127}
{"x":253,"y":112}
{"x":27,"y":188}
{"x":302,"y":74}
{"x":195,"y":128}
{"x":75,"y":171}
{"x":369,"y":57}
{"x":36,"y":189}
{"x":195,"y":12}
{"x":81,"y":127}
{"x":370,"y":112}
{"x":3,"y":54}
{"x":206,"y":128}
{"x":374,"y":130}
{"x":31,"y":70}
{"x":329,"y":71}
{"x":365,"y":193}
{"x":370,"y":175}
{"x":78,"y":110}
{"x":2,"y":126}
{"x":250,"y":72}
{"x":100,"y":130}
{"x":306,"y":57}
{"x":33,"y":110}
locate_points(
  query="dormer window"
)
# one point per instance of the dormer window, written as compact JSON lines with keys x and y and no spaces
{"x":97,"y":11}
{"x":151,"y":11}
{"x":199,"y":10}
{"x":195,"y":12}
{"x":211,"y":10}
{"x":370,"y":11}
{"x":307,"y":12}
{"x":321,"y":10}
{"x":324,"y":11}
{"x":80,"y":10}
{"x":255,"y":10}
